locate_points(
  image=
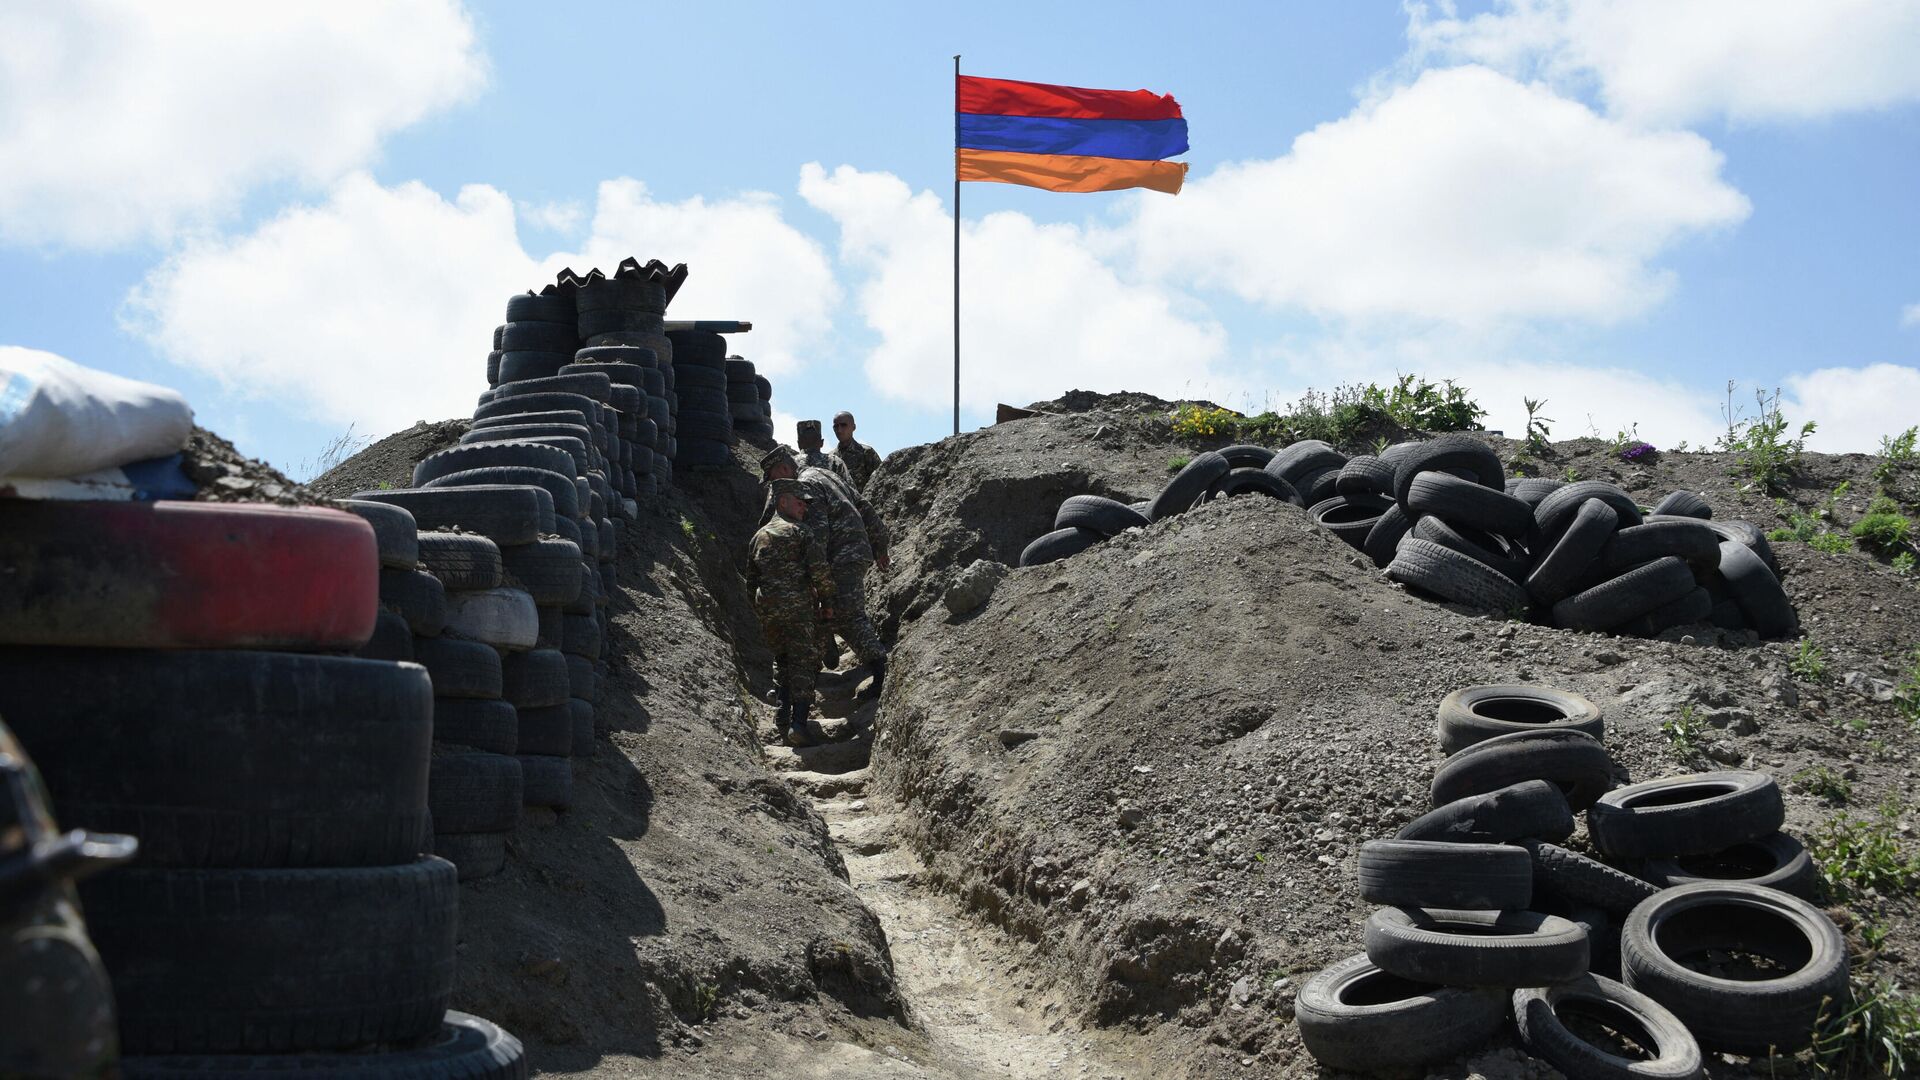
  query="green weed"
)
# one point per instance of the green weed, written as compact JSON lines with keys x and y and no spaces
{"x":1764,"y":453}
{"x":1346,"y":416}
{"x":1822,"y":782}
{"x":1829,"y":544}
{"x":1884,"y":529}
{"x":1903,"y":564}
{"x":1177,"y":462}
{"x":1684,"y":733}
{"x":1876,"y":1031}
{"x":1810,"y":663}
{"x":686,"y":527}
{"x":1857,"y":854}
{"x":1569,"y":474}
{"x":1537,"y":429}
{"x":1895,"y":451}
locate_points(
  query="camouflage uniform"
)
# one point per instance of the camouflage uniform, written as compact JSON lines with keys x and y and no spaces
{"x":855,"y":535}
{"x":859,"y":460}
{"x":787,"y":578}
{"x":814,"y":459}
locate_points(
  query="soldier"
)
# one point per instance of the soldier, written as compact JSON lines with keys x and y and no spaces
{"x":860,"y":459}
{"x":856,"y":539}
{"x":787,"y":579}
{"x":808,"y":433}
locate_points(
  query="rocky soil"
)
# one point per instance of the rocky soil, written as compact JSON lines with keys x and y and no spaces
{"x":1155,"y":761}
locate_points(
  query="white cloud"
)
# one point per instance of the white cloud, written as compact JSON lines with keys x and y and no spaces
{"x":1675,"y":62}
{"x":1910,"y":315}
{"x":1465,"y":197}
{"x":376,"y":307}
{"x":1854,"y":407}
{"x":558,"y":217}
{"x":1043,"y":313}
{"x":122,"y":120}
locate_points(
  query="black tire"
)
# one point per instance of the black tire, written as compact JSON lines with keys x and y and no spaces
{"x":473,"y":855}
{"x":566,"y":497}
{"x":484,"y":455}
{"x":1476,"y":948}
{"x":551,"y":623}
{"x":569,"y":421}
{"x":1475,"y":714}
{"x":581,"y":636}
{"x":1669,"y":1051}
{"x":1532,"y":490}
{"x":537,"y":337}
{"x":1383,"y":540}
{"x":1102,"y":515}
{"x":1533,"y":810}
{"x":591,"y":385}
{"x":547,"y":731}
{"x":549,"y":569}
{"x":1456,"y":578}
{"x":1668,"y":935}
{"x":1746,"y":533}
{"x":702,"y":347}
{"x":1481,"y":547}
{"x":219,"y":961}
{"x":459,"y":669}
{"x":1757,"y":591}
{"x":1774,"y":862}
{"x":466,"y":1048}
{"x":1689,"y":541}
{"x":1318,"y":486}
{"x":1556,"y":511}
{"x":521,"y":404}
{"x":579,"y":441}
{"x":1687,"y":504}
{"x":1354,"y":1016}
{"x":461,"y":562}
{"x":582,"y":678}
{"x":417,"y":597}
{"x":1445,"y":454}
{"x":534,"y":679}
{"x":486,"y":724}
{"x":1243,"y":456}
{"x":1187,"y":485}
{"x":1465,"y":503}
{"x":1573,"y":761}
{"x":392,"y":639}
{"x":582,"y":727}
{"x":589,"y":596}
{"x":689,"y":377}
{"x":530,"y":365}
{"x":229,"y":758}
{"x":615,"y":365}
{"x":1059,"y":544}
{"x":548,"y":781}
{"x":1627,"y":597}
{"x":504,"y":618}
{"x":1686,"y":815}
{"x":554,"y":307}
{"x":1580,"y":880}
{"x":1365,"y":475}
{"x":1246,"y":480}
{"x":505,"y":514}
{"x":1571,"y":557}
{"x":641,"y":358}
{"x":1439,"y":874}
{"x":394,"y":531}
{"x":1302,"y":459}
{"x":474,"y":791}
{"x":1727,"y":615}
{"x":1350,"y":517}
{"x":617,"y":326}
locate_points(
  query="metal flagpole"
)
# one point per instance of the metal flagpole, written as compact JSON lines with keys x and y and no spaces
{"x":956,"y":244}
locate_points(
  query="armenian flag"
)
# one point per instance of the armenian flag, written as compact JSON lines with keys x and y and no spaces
{"x":1067,"y":138}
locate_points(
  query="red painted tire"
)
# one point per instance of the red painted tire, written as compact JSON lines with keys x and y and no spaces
{"x":181,"y":575}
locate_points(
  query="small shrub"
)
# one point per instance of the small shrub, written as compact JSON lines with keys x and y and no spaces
{"x":1204,"y":422}
{"x":1884,"y":529}
{"x":1344,"y":417}
{"x":1903,"y":564}
{"x":1895,"y":451}
{"x":1857,"y":854}
{"x":1684,"y":733}
{"x":1177,"y":462}
{"x":1537,"y":429}
{"x":1874,"y":1032}
{"x":1763,"y":451}
{"x":1638,"y":451}
{"x":1810,"y":663}
{"x":1829,"y":543}
{"x":1822,"y":782}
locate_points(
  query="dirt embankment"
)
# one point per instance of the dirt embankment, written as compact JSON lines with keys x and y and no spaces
{"x":688,"y":891}
{"x":1155,"y":761}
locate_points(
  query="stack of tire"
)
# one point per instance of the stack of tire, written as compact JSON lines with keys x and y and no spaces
{"x":630,"y":370}
{"x":705,"y":415}
{"x":629,"y":309}
{"x":175,"y":670}
{"x":752,"y":414}
{"x":1085,"y":520}
{"x":1487,"y":916}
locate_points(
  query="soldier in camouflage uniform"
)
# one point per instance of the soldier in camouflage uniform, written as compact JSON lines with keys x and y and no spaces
{"x":856,"y":539}
{"x":860,"y":459}
{"x":791,"y":588}
{"x":808,"y":432}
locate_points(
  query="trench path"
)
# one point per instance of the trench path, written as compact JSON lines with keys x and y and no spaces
{"x":967,"y":986}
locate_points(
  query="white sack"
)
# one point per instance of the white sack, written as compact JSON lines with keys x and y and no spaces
{"x":60,"y":419}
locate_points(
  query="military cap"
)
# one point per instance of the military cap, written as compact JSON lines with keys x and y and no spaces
{"x":779,"y":455}
{"x":807,"y":427}
{"x":787,"y":486}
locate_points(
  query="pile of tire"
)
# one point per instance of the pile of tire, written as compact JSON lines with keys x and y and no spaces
{"x":749,"y":399}
{"x":1085,"y":520}
{"x":705,"y":416}
{"x":1487,"y":916}
{"x":178,"y":672}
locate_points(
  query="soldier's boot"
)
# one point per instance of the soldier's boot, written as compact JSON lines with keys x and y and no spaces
{"x":801,"y":734}
{"x":782,"y":715}
{"x":878,"y":665}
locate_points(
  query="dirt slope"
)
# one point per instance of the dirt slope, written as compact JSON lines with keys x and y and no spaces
{"x":1155,"y":761}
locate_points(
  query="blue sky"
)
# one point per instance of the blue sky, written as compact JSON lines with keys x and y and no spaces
{"x":307,"y":217}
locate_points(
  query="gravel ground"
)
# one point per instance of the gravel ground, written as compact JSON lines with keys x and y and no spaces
{"x":1156,"y":760}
